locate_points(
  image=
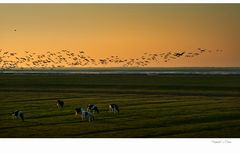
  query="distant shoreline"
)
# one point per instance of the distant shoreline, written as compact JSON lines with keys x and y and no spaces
{"x":132,"y":71}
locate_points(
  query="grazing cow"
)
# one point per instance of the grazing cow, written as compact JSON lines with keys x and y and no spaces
{"x":113,"y":108}
{"x":84,"y":114}
{"x":92,"y":108}
{"x":18,"y":115}
{"x":60,"y":104}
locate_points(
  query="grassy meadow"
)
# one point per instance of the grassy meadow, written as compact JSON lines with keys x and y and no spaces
{"x":151,"y":106}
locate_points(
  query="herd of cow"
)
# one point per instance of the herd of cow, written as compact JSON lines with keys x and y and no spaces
{"x":79,"y":111}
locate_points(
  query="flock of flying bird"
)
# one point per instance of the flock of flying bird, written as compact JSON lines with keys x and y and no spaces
{"x":66,"y":58}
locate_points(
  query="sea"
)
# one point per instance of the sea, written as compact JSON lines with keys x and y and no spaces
{"x":119,"y":70}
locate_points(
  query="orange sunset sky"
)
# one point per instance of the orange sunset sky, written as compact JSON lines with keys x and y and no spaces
{"x":126,"y":30}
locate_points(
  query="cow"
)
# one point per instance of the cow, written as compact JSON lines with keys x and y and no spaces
{"x":92,"y":108}
{"x":114,"y":108}
{"x":84,"y":114}
{"x":18,"y":115}
{"x":60,"y":104}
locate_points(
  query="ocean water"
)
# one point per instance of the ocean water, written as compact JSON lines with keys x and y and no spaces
{"x":147,"y":71}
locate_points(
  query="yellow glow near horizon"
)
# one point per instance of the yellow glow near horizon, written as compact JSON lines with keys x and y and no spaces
{"x":127,"y":30}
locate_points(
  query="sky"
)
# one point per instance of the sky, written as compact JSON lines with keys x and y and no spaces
{"x":126,"y":30}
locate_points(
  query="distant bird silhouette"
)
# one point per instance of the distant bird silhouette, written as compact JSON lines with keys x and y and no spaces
{"x":179,"y":54}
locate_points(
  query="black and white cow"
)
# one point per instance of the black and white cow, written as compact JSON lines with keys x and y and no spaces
{"x":92,"y":108}
{"x":60,"y":104}
{"x":114,"y":108}
{"x":18,"y":115}
{"x":84,"y":114}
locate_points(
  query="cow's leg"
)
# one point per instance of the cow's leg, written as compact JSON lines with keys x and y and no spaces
{"x":21,"y":117}
{"x":13,"y":116}
{"x":76,"y":115}
{"x":83,"y":116}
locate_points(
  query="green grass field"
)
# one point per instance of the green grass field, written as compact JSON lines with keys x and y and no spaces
{"x":157,"y":106}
